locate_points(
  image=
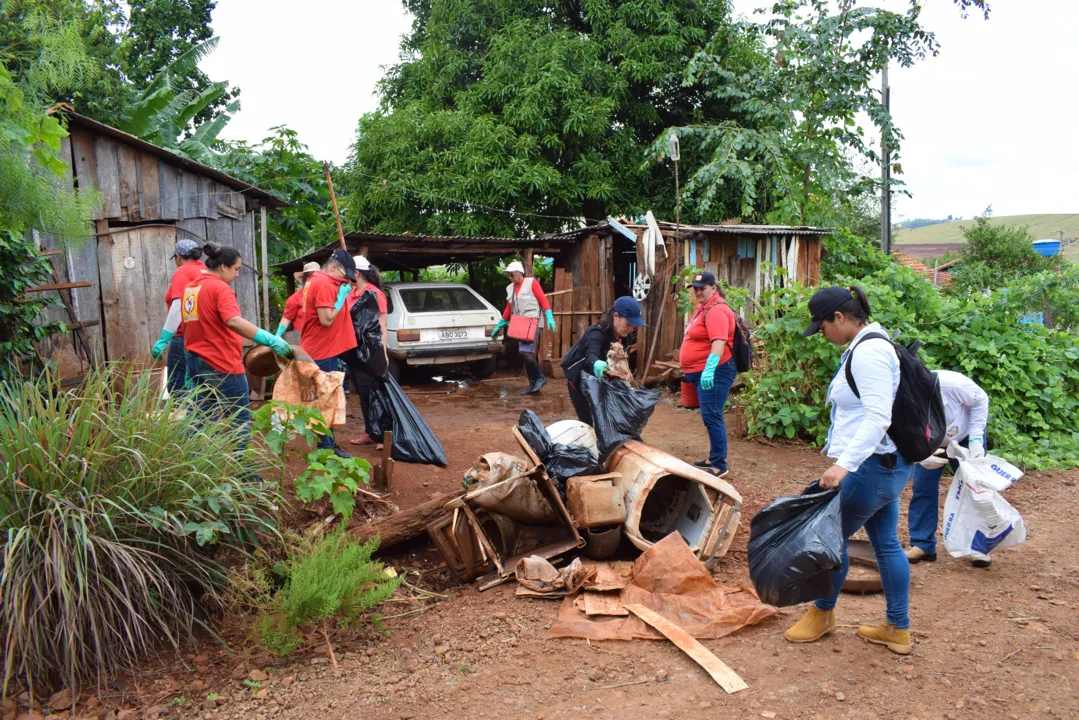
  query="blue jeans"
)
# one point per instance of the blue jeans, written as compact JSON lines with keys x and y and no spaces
{"x":712,"y":403}
{"x":923,"y":515}
{"x":870,"y":498}
{"x":176,"y":365}
{"x":333,"y":364}
{"x":219,"y":393}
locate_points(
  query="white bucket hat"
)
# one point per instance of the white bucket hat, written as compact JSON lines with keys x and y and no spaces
{"x":515,"y":266}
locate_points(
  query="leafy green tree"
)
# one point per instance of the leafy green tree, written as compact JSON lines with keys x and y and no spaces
{"x":995,"y":255}
{"x":512,"y":116}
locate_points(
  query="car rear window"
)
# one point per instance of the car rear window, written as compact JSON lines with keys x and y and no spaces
{"x":424,"y":300}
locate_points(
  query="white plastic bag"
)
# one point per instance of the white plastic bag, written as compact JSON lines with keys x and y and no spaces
{"x":977,"y":520}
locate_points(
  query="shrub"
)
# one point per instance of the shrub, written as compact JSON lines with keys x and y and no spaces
{"x":996,"y":254}
{"x":333,"y":579}
{"x":112,"y":507}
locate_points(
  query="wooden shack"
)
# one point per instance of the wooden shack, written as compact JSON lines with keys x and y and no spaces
{"x":598,"y":263}
{"x":113,"y":284}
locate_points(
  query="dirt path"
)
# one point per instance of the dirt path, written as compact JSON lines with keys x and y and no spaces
{"x":990,"y":644}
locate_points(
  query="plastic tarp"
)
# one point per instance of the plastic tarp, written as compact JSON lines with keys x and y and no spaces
{"x":561,"y":461}
{"x":619,"y":412}
{"x":793,"y":543}
{"x":413,"y":440}
{"x":669,"y":579}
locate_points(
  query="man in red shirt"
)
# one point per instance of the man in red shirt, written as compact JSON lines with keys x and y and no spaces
{"x":525,"y":297}
{"x":186,"y":255}
{"x":327,"y":331}
{"x":291,"y":315}
{"x":706,"y":360}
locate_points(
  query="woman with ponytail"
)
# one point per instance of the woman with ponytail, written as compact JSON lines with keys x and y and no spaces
{"x":213,"y":339}
{"x":868,"y":469}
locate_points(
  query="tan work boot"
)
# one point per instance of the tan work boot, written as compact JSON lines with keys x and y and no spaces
{"x":814,"y":625}
{"x":886,"y":634}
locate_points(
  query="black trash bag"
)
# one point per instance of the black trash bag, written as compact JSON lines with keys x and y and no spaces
{"x":619,"y":412}
{"x":413,"y":441}
{"x":561,"y":461}
{"x":793,"y":543}
{"x":368,"y":357}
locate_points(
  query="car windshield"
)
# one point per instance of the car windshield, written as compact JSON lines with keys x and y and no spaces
{"x":442,"y":299}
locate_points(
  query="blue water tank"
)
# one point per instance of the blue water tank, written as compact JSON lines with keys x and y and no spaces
{"x":1045,"y":248}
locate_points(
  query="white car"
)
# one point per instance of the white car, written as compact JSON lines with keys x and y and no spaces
{"x":440,"y":323}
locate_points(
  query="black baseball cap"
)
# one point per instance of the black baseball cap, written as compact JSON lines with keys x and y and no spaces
{"x":342,"y":258}
{"x":630,"y":309}
{"x":703,"y":279}
{"x":823,"y":304}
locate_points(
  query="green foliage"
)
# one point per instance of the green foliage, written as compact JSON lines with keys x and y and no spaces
{"x":332,"y":581}
{"x":279,"y":422}
{"x":22,"y":268}
{"x":996,"y":254}
{"x":42,"y":45}
{"x":789,"y":151}
{"x":1030,"y":372}
{"x":112,"y":508}
{"x":337,"y":478}
{"x":847,"y":254}
{"x":507,"y":117}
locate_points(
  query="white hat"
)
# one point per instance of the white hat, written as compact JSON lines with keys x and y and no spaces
{"x":361,"y":262}
{"x":515,"y":266}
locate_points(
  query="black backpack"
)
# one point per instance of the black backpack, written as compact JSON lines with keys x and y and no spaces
{"x":918,"y":424}
{"x":742,"y":344}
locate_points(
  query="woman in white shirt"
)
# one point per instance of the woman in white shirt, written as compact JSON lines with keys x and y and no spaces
{"x":869,"y":471}
{"x":966,"y":412}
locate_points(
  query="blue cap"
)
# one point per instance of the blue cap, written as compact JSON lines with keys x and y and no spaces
{"x":184,"y":247}
{"x":703,"y":279}
{"x":630,"y":309}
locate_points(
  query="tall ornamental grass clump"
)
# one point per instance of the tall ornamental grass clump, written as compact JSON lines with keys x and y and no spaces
{"x":113,"y":508}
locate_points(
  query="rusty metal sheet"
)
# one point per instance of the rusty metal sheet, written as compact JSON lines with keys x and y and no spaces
{"x":595,"y":500}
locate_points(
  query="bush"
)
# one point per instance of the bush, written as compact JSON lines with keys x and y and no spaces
{"x":112,"y":507}
{"x":332,"y":579}
{"x":994,"y":255}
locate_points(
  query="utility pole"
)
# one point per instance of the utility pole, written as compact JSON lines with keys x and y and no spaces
{"x":885,"y":171}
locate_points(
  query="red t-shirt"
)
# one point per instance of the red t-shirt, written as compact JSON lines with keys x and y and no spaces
{"x":293,"y":307}
{"x":207,"y":303}
{"x":536,"y":290}
{"x":321,"y":342}
{"x":184,"y":275}
{"x":715,"y":321}
{"x":355,"y":295}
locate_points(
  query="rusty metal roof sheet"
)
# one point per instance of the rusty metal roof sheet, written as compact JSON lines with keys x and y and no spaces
{"x":726,"y":229}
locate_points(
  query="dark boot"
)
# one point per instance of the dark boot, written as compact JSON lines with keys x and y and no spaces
{"x":535,"y":375}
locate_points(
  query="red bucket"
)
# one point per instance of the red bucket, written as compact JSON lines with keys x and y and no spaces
{"x":689,"y":395}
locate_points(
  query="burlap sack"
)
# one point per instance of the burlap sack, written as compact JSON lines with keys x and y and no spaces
{"x":302,"y":383}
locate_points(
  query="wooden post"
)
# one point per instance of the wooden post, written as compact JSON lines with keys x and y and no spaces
{"x":333,"y":199}
{"x":265,"y":286}
{"x":526,"y":260}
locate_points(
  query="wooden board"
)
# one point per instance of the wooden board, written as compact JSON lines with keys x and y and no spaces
{"x":107,"y":177}
{"x":124,"y":296}
{"x":813,"y":246}
{"x":726,"y":678}
{"x":189,"y":196}
{"x":149,"y":187}
{"x":196,"y":228}
{"x":603,"y":603}
{"x":582,"y":300}
{"x":590,"y":262}
{"x":127,"y":161}
{"x":82,"y":155}
{"x":209,"y":191}
{"x":156,"y":244}
{"x":246,"y":284}
{"x":563,"y":303}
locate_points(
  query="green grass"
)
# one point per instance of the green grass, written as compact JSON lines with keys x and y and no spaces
{"x":1039,"y":226}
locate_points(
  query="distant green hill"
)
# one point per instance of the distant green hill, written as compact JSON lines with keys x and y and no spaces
{"x":1039,"y":226}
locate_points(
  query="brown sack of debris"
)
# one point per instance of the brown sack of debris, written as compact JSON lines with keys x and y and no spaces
{"x":302,"y":383}
{"x":669,"y":579}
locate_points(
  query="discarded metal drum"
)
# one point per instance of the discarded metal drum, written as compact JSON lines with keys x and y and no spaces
{"x":261,"y":361}
{"x":601,"y":543}
{"x":664,"y":494}
{"x":594,"y":500}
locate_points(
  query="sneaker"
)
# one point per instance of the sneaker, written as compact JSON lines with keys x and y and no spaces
{"x":341,"y":453}
{"x":703,"y":464}
{"x":364,"y":439}
{"x":916,"y":555}
{"x":982,"y":563}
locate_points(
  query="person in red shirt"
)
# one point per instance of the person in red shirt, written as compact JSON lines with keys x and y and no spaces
{"x":291,"y":315}
{"x":525,"y":297}
{"x":706,"y":360}
{"x":213,"y":339}
{"x":186,"y":255}
{"x":368,"y":280}
{"x":327,"y":332}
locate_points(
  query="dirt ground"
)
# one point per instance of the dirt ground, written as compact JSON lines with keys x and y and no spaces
{"x":989,"y":644}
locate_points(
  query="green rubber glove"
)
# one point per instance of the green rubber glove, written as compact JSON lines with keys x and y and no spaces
{"x":162,"y":344}
{"x":550,"y":321}
{"x":502,"y":325}
{"x":708,"y":377}
{"x":341,"y":295}
{"x":273,"y":342}
{"x":281,"y":329}
{"x":599,"y":368}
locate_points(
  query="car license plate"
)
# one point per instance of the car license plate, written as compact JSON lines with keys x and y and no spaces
{"x":452,"y":334}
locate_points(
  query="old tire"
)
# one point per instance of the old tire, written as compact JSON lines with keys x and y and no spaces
{"x":395,"y":368}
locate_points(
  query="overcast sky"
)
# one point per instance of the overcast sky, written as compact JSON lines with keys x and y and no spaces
{"x":991,"y":121}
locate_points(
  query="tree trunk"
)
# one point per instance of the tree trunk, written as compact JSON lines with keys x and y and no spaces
{"x":404,"y":525}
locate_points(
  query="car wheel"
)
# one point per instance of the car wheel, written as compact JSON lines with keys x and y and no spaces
{"x":395,"y":367}
{"x":484,"y":368}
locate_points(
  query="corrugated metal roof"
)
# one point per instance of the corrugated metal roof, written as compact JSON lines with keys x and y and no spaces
{"x":727,"y":229}
{"x":247,"y":190}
